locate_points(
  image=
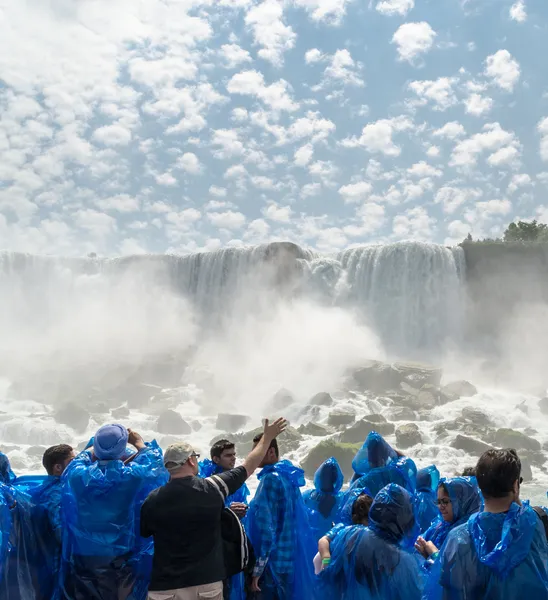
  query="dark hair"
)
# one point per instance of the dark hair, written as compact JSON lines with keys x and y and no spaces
{"x":273,"y":443}
{"x":219,"y":447}
{"x":497,"y":471}
{"x":443,"y":487}
{"x":360,"y":509}
{"x":469,"y":472}
{"x":56,"y":455}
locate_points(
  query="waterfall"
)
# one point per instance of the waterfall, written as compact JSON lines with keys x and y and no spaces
{"x":409,"y":293}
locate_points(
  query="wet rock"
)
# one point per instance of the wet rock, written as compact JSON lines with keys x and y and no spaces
{"x":36,"y":451}
{"x":344,"y":453}
{"x":360,"y":430}
{"x":172,"y":422}
{"x":543,"y":406}
{"x":310,"y":412}
{"x":426,"y":400}
{"x":120,"y":413}
{"x":526,"y":471}
{"x":509,"y":438}
{"x":231,"y":422}
{"x":376,"y":377}
{"x":138,"y":395}
{"x":196,"y":426}
{"x":408,"y":435}
{"x":321,"y":399}
{"x":375,"y":418}
{"x":535,"y":458}
{"x":477,"y":417}
{"x":288,"y":441}
{"x":460,"y":389}
{"x":418,"y":374}
{"x":74,"y":416}
{"x":314,"y":429}
{"x":522,"y":406}
{"x":470,"y":445}
{"x":338,"y":418}
{"x":401,"y":413}
{"x":281,"y":400}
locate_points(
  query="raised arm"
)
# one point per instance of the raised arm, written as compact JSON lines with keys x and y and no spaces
{"x":256,"y":456}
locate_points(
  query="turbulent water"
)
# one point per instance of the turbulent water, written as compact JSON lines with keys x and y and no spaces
{"x":236,"y":325}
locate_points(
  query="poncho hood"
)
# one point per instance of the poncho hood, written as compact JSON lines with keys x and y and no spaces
{"x":391,"y":516}
{"x":329,"y":477}
{"x":428,"y":479}
{"x":286,"y":469}
{"x":374,"y":453}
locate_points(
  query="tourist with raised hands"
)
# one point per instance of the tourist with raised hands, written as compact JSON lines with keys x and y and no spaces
{"x":188,"y":521}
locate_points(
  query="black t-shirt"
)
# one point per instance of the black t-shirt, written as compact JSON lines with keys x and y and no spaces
{"x":184,"y":517}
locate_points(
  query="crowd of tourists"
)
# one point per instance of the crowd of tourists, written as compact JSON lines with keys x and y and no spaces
{"x":123,"y":520}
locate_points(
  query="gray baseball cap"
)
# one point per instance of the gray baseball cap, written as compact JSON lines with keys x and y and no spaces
{"x":177,"y":454}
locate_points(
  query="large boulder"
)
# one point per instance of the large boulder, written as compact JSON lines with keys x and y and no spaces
{"x":470,"y":445}
{"x":137,"y":395}
{"x":460,"y":389}
{"x":314,"y":429}
{"x":408,"y":435}
{"x":401,"y":413}
{"x":281,"y":400}
{"x":172,"y":422}
{"x":339,"y":417}
{"x":509,"y":438}
{"x":120,"y":413}
{"x":321,"y":399}
{"x":360,"y":430}
{"x":231,"y":422}
{"x":376,"y":377}
{"x":418,"y":374}
{"x":36,"y":451}
{"x":543,"y":406}
{"x":288,"y":441}
{"x":477,"y":417}
{"x":344,"y":453}
{"x":74,"y":416}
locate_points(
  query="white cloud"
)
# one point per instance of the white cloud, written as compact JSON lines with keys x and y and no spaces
{"x":413,"y":40}
{"x":395,"y":7}
{"x":543,"y":130}
{"x":423,"y":169}
{"x":450,"y":131}
{"x":371,"y":218}
{"x":227,"y":143}
{"x":97,"y":223}
{"x":439,"y":92}
{"x":377,"y":137}
{"x":183,"y":219}
{"x":453,"y":198}
{"x":415,"y":223}
{"x":433,"y":151}
{"x":314,"y":56}
{"x":280,"y":214}
{"x":493,"y":207}
{"x":269,"y":31}
{"x":123,"y":203}
{"x":342,"y":68}
{"x":505,"y":156}
{"x":112,"y":135}
{"x":251,"y":83}
{"x":311,"y":189}
{"x":165,"y":179}
{"x":234,"y":55}
{"x":190,"y":163}
{"x":478,"y":105}
{"x":218,"y":192}
{"x":503,"y":69}
{"x":519,"y":181}
{"x":227,"y":220}
{"x":518,"y":12}
{"x":356,"y":192}
{"x":493,"y":139}
{"x":330,"y":11}
{"x":303,"y":155}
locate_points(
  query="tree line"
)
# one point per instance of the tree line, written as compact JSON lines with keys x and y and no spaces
{"x":522,"y":231}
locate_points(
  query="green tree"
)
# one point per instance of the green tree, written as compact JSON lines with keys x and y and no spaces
{"x":524,"y":231}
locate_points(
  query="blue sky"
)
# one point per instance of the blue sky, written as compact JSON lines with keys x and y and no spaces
{"x":183,"y":125}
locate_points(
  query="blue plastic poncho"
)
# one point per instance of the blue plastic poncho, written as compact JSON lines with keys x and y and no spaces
{"x":5,"y":528}
{"x":424,"y":500}
{"x":104,"y":556}
{"x":500,"y":556}
{"x":7,"y":476}
{"x":344,"y":515}
{"x":208,"y":468}
{"x":279,"y":530}
{"x":324,"y":501}
{"x":377,"y":465}
{"x":368,"y":563}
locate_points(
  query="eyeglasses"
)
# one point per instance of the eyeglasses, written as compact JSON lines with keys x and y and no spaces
{"x":443,"y":502}
{"x":194,"y":455}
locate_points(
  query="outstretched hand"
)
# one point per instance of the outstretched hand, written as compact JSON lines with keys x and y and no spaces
{"x":135,"y":439}
{"x":271,"y":432}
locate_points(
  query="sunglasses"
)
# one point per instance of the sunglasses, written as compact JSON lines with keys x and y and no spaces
{"x":194,"y":455}
{"x":443,"y":502}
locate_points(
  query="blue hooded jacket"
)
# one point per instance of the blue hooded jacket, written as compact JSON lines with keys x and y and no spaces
{"x":209,"y":468}
{"x":377,"y":465}
{"x":368,"y":563}
{"x":5,"y":528}
{"x":323,"y":502}
{"x":424,"y":500}
{"x":279,"y":530}
{"x":344,"y":514}
{"x":496,"y":557}
{"x":7,"y":476}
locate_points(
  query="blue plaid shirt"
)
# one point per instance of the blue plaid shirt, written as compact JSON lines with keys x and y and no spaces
{"x":273,"y":520}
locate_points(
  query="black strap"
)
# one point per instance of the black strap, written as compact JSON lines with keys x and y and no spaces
{"x":541,"y":513}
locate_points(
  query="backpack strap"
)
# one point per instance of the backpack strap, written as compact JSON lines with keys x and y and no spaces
{"x":541,"y":514}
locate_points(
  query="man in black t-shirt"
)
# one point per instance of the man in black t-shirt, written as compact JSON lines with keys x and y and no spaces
{"x":184,"y":518}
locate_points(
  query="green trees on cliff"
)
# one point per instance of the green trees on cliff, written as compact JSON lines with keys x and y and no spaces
{"x":522,"y":231}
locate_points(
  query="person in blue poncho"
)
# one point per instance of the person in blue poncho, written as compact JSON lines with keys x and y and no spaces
{"x":324,"y":502}
{"x":7,"y":476}
{"x":104,"y":558}
{"x":368,"y":563}
{"x":5,"y":528}
{"x":425,"y":498}
{"x":501,"y":553}
{"x":377,"y":464}
{"x":280,"y":533}
{"x":223,"y":458}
